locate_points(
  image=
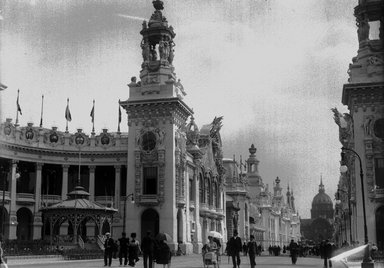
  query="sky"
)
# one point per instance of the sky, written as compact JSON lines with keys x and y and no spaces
{"x":272,"y":68}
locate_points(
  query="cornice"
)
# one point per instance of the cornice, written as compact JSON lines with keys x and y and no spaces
{"x":362,"y":93}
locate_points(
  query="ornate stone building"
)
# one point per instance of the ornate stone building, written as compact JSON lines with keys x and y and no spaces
{"x":253,"y":209}
{"x":40,"y":166}
{"x":362,"y":129}
{"x":174,"y":170}
{"x":164,"y":175}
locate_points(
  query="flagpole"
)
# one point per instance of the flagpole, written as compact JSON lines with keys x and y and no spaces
{"x":79,"y":180}
{"x":42,"y":107}
{"x":93,"y":118}
{"x":119,"y":120}
{"x":66,"y":118}
{"x":17,"y":109}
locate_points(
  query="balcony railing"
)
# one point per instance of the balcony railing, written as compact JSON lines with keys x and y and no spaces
{"x":6,"y":196}
{"x":51,"y":199}
{"x":106,"y":200}
{"x":25,"y":197}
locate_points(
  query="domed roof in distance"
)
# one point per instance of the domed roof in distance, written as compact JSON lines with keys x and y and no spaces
{"x":321,"y":197}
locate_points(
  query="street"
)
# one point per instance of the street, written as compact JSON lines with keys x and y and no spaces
{"x":190,"y":261}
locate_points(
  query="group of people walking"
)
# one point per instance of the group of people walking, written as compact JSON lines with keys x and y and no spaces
{"x":235,"y":247}
{"x":129,"y":250}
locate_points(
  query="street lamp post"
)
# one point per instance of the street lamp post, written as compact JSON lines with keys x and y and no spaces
{"x":125,"y":208}
{"x":367,"y":261}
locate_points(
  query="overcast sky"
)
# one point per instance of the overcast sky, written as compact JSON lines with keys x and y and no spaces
{"x":272,"y":68}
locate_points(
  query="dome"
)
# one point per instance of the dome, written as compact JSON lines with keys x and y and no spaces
{"x":322,"y":198}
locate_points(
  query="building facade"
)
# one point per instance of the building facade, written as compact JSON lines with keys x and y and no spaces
{"x":362,"y":130}
{"x":320,"y":226}
{"x":165,"y":175}
{"x":253,"y":209}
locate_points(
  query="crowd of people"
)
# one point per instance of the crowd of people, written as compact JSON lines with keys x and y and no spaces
{"x":128,"y":250}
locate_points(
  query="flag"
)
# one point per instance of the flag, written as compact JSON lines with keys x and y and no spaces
{"x":68,"y":112}
{"x":119,"y":113}
{"x":93,"y":112}
{"x":17,"y":103}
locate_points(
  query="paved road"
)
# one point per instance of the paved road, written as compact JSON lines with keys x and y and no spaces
{"x":190,"y":261}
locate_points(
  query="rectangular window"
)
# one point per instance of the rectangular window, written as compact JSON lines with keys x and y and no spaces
{"x":379,"y":172}
{"x":150,"y":180}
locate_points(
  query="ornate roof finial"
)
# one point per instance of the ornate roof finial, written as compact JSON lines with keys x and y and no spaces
{"x":158,"y":5}
{"x":277,"y":180}
{"x":252,"y":150}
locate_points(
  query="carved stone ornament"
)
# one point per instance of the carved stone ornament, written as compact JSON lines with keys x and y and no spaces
{"x":106,"y":139}
{"x":53,"y":137}
{"x":80,"y":139}
{"x":7,"y":130}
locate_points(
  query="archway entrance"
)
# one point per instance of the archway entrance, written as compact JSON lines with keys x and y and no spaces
{"x":149,"y":222}
{"x":4,"y":222}
{"x":24,"y":226}
{"x":380,"y":228}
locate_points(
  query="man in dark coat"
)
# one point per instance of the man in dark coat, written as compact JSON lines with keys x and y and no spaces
{"x":328,"y":250}
{"x":148,"y":247}
{"x":235,"y":247}
{"x":252,"y":251}
{"x":123,"y":250}
{"x":109,"y":246}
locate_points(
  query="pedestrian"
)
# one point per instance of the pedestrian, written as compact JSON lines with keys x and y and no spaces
{"x":148,"y":247}
{"x":293,"y":250}
{"x":109,"y":246}
{"x":252,"y":250}
{"x":123,"y":249}
{"x":328,"y":250}
{"x":133,"y":250}
{"x":235,"y":247}
{"x":163,"y":254}
{"x":245,"y":249}
{"x":2,"y":261}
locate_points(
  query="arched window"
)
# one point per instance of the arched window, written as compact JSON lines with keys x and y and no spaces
{"x":213,"y":199}
{"x":207,"y":191}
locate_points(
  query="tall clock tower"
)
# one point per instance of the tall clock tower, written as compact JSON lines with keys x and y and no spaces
{"x":156,"y":113}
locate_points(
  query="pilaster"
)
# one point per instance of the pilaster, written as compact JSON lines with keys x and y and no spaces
{"x":64,"y":187}
{"x":117,"y":186}
{"x":39,"y":167}
{"x":92,"y":183}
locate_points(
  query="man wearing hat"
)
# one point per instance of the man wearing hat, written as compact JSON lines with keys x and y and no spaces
{"x":234,"y":248}
{"x":252,"y":250}
{"x":109,"y":246}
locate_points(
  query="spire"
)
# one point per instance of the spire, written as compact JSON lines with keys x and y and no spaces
{"x":321,"y":186}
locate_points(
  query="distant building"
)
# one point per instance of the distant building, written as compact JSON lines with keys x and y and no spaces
{"x":252,"y":208}
{"x":320,"y":226}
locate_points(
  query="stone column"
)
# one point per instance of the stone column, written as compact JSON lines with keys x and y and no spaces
{"x":37,"y":222}
{"x":197,"y":243}
{"x":12,"y":208}
{"x":64,"y":187}
{"x":92,"y":183}
{"x":117,"y":186}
